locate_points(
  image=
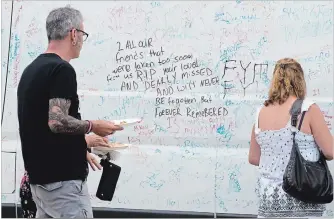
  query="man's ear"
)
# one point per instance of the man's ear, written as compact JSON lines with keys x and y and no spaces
{"x":73,"y":35}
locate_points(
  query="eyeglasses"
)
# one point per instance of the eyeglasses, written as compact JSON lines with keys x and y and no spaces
{"x":84,"y":34}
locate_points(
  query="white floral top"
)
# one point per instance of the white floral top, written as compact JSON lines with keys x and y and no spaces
{"x":276,"y":146}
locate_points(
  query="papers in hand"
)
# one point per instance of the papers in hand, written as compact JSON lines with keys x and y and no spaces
{"x":111,"y":152}
{"x":127,"y":122}
{"x":113,"y":146}
{"x":111,"y":155}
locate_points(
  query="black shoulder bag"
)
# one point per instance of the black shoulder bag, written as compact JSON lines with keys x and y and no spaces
{"x":307,"y":181}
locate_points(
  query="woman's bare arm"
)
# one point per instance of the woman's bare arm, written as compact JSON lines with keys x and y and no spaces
{"x":321,"y":132}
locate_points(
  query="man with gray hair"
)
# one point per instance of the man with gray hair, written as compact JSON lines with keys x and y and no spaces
{"x":51,"y":130}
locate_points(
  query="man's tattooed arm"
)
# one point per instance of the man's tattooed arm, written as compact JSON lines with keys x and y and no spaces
{"x":61,"y":122}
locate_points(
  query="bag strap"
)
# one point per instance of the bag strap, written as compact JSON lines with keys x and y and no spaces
{"x":301,"y":120}
{"x":295,"y":111}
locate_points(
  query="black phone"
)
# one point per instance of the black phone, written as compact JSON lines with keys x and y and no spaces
{"x":108,"y":181}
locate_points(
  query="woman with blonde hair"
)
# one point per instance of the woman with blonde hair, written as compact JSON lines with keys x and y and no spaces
{"x":272,"y":141}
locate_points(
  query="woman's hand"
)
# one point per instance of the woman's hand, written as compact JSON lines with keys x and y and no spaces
{"x":93,"y":162}
{"x":96,"y":141}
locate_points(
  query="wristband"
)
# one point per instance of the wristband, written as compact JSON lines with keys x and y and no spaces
{"x":90,"y":127}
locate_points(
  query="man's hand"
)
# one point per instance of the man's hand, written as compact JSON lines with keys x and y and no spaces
{"x":93,"y":162}
{"x":103,"y":128}
{"x":94,"y":140}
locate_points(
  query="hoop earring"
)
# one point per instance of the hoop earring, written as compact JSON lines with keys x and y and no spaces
{"x":74,"y":43}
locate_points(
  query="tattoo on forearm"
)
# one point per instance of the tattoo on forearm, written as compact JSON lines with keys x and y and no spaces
{"x":61,"y":122}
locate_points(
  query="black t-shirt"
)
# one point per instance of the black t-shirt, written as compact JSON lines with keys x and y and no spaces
{"x":49,"y":157}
